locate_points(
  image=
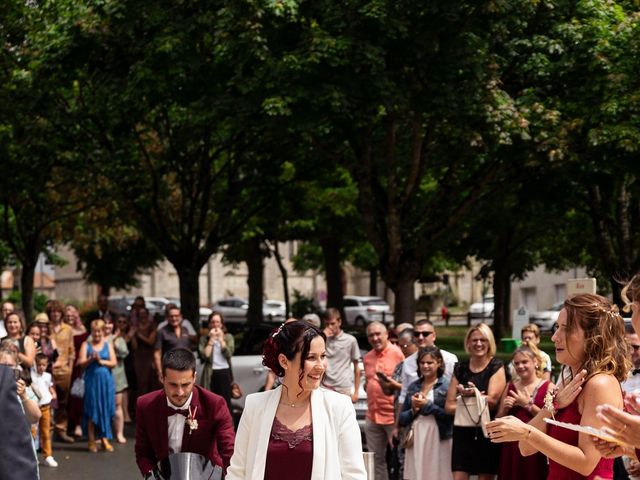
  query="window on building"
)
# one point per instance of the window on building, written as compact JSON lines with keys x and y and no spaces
{"x":529,"y":299}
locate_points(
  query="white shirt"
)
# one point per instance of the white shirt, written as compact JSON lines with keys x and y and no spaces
{"x":176,"y":426}
{"x":632,"y":383}
{"x":218,"y":362}
{"x":42,"y":383}
{"x":3,"y":331}
{"x":410,"y":370}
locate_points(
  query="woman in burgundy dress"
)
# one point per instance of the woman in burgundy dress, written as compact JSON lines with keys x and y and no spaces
{"x":297,"y":428}
{"x":523,"y":398}
{"x":80,"y":334}
{"x":591,"y":346}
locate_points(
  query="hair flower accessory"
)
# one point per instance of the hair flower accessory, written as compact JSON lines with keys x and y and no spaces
{"x":191,"y":420}
{"x":279,"y":329}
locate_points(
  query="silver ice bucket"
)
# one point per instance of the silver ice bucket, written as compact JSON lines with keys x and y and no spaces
{"x":187,"y":466}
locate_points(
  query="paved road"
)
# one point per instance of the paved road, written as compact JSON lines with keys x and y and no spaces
{"x":76,"y":462}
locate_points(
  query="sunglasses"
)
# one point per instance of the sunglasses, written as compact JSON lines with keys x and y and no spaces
{"x":635,"y":348}
{"x":422,"y":334}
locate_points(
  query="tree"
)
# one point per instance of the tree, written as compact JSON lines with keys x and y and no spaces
{"x":169,"y":101}
{"x":110,"y":252}
{"x":404,"y":95}
{"x":40,"y":190}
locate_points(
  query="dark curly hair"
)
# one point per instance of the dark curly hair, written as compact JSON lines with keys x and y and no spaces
{"x":289,"y":339}
{"x":436,"y":354}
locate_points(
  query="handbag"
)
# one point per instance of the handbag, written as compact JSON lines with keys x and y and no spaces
{"x":77,"y":389}
{"x":472,"y":411}
{"x":236,"y":391}
{"x":408,"y":437}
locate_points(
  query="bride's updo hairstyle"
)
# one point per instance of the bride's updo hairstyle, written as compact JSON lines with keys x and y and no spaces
{"x":289,"y":339}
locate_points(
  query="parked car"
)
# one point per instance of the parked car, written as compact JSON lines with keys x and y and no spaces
{"x":482,"y":310}
{"x":122,"y":305}
{"x":274,"y":311}
{"x":545,"y":319}
{"x":361,"y":311}
{"x":234,"y":310}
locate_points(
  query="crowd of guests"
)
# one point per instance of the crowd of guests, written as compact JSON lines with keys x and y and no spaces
{"x":429,"y":415}
{"x":85,"y":375}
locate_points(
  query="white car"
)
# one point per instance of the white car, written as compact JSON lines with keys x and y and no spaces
{"x":234,"y":310}
{"x":545,"y":319}
{"x":361,"y":311}
{"x":482,"y":310}
{"x":274,"y":311}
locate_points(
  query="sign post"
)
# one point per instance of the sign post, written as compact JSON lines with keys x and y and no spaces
{"x":580,"y":285}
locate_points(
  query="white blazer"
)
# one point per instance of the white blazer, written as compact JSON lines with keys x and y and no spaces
{"x":337,"y":448}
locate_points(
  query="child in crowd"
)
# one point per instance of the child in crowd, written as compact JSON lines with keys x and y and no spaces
{"x":42,"y":383}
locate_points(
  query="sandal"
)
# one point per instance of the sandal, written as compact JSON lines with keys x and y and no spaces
{"x":106,"y":445}
{"x":93,"y":448}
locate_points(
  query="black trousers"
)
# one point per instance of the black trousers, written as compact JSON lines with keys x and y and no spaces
{"x":221,"y":384}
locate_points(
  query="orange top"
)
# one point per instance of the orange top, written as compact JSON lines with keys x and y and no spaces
{"x":380,"y":406}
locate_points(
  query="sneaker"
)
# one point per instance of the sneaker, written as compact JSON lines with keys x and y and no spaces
{"x":50,"y":462}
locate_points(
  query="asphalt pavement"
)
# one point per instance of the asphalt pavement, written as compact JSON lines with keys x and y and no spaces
{"x":76,"y":462}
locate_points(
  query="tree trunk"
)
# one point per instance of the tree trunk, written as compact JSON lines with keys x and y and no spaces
{"x":254,"y":258}
{"x":26,"y":285}
{"x":501,"y":295}
{"x":285,"y":279}
{"x":373,"y":282}
{"x":105,"y":289}
{"x":189,"y":293}
{"x":405,"y":301}
{"x":333,"y":271}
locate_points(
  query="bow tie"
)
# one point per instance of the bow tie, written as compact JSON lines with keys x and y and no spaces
{"x":635,"y":371}
{"x":179,"y":411}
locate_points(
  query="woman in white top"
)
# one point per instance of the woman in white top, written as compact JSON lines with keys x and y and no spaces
{"x":297,"y":430}
{"x":216,"y":349}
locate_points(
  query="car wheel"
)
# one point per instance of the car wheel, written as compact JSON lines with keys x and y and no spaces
{"x":359,"y":321}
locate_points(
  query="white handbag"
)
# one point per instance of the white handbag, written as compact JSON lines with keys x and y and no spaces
{"x":472,"y":411}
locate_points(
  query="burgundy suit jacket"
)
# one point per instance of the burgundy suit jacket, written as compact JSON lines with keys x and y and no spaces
{"x":213,"y":439}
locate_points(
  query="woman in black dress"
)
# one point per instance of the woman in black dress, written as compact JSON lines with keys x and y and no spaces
{"x":473,"y":454}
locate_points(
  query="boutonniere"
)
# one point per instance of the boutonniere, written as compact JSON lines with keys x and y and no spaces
{"x":191,"y":419}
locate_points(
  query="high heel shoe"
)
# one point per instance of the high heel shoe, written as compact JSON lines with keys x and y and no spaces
{"x":93,"y":448}
{"x":106,"y":445}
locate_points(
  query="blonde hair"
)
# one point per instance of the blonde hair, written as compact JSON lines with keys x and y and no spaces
{"x":531,"y":327}
{"x":605,"y":345}
{"x":631,"y":292}
{"x":533,"y":352}
{"x":486,"y":332}
{"x":97,"y":324}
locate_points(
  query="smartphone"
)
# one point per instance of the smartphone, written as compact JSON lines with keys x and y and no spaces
{"x":382,"y":376}
{"x":17,"y":373}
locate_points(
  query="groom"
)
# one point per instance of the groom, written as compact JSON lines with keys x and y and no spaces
{"x":183,"y":417}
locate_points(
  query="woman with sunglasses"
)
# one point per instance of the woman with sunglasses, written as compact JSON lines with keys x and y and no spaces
{"x":473,"y":454}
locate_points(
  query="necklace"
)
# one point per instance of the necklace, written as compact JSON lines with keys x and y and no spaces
{"x":294,"y":405}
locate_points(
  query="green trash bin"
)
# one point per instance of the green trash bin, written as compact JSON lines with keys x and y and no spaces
{"x":510,"y":344}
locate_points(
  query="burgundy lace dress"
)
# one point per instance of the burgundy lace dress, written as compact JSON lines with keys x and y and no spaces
{"x":289,"y":454}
